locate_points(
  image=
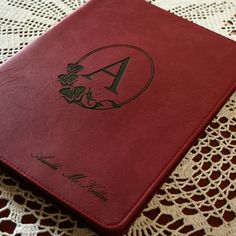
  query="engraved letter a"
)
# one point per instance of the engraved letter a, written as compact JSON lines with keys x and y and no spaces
{"x":117,"y":77}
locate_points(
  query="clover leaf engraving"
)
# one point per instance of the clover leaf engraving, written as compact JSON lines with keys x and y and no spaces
{"x":80,"y":95}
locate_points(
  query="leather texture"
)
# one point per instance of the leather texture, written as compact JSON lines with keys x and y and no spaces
{"x":166,"y":84}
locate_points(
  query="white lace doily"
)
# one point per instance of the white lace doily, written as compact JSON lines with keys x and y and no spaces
{"x":199,"y":198}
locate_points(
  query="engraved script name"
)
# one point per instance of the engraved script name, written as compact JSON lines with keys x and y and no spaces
{"x":90,"y":185}
{"x":46,"y":160}
{"x":82,"y":180}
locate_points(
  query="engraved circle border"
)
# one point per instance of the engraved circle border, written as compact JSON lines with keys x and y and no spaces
{"x":148,"y":57}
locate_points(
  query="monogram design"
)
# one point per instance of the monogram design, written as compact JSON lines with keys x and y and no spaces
{"x":80,"y":85}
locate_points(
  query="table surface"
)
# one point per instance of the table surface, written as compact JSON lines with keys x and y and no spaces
{"x":199,"y":197}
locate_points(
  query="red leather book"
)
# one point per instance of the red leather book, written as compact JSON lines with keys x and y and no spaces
{"x":98,"y":110}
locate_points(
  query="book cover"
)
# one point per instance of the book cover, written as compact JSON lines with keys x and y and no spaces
{"x":108,"y":94}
